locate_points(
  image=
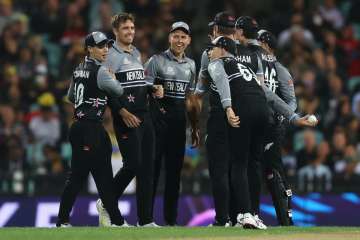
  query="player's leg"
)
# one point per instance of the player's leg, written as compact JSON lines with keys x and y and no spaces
{"x":255,"y":178}
{"x":218,"y":156}
{"x":174,"y":159}
{"x":101,"y":170}
{"x":256,"y":153}
{"x":160,"y":145}
{"x":240,"y":144}
{"x":145,"y":173}
{"x":77,"y":175}
{"x":129,"y":146}
{"x":275,"y":176}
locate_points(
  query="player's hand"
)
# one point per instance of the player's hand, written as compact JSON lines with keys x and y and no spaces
{"x":304,"y":122}
{"x":233,"y":120}
{"x":158,"y":91}
{"x":129,"y":119}
{"x":195,"y":138}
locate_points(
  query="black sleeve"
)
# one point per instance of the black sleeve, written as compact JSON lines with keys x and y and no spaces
{"x":115,"y":104}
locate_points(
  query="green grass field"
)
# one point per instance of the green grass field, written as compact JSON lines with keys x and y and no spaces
{"x":90,"y":233}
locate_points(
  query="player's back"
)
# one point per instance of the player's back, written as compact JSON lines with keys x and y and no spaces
{"x":243,"y":81}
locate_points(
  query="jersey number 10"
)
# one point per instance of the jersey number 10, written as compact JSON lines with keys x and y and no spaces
{"x":79,"y":94}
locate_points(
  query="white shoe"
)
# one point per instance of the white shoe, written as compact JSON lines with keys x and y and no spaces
{"x":240,"y":220}
{"x":149,"y":225}
{"x":63,"y":225}
{"x":247,"y":221}
{"x":104,"y":218}
{"x":124,"y":225}
{"x":260,"y":223}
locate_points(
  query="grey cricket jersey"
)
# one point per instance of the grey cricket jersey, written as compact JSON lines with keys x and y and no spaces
{"x":129,"y":71}
{"x":286,"y":85}
{"x":176,"y":76}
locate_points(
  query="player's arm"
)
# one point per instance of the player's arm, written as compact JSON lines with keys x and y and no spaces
{"x":220,"y":78}
{"x":274,"y":100}
{"x":71,"y":91}
{"x":107,"y":82}
{"x":115,"y":103}
{"x":286,"y":85}
{"x":151,"y":73}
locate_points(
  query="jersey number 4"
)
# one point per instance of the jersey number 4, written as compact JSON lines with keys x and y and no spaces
{"x":79,"y":94}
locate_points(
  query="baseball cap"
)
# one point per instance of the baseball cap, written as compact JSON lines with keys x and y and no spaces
{"x":247,"y":23}
{"x":180,"y":26}
{"x":97,"y":39}
{"x":224,"y":19}
{"x":268,"y":38}
{"x":224,"y":42}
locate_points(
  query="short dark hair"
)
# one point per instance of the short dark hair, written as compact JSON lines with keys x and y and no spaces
{"x":121,"y":18}
{"x":225,"y":30}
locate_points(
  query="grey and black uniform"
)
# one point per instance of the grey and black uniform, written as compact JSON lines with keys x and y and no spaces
{"x":275,"y":103}
{"x":91,"y":147}
{"x":136,"y":144}
{"x":279,"y":80}
{"x":239,"y":88}
{"x":217,"y":144}
{"x":177,"y":77}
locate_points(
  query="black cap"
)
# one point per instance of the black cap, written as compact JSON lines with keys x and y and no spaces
{"x":183,"y":26}
{"x":224,"y":42}
{"x":224,"y":19}
{"x":248,"y":25}
{"x":97,"y":39}
{"x":268,"y":38}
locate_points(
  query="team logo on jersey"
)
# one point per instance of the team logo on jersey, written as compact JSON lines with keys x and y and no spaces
{"x":131,"y":98}
{"x":96,"y":103}
{"x":170,"y":70}
{"x":80,"y":114}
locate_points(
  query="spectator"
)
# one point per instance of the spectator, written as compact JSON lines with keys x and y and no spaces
{"x":308,"y":152}
{"x":331,"y":14}
{"x":46,"y":126}
{"x":316,"y":176}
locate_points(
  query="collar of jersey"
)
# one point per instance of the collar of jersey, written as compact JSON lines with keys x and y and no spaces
{"x":254,"y":42}
{"x":121,"y":50}
{"x":89,"y":59}
{"x":172,"y":57}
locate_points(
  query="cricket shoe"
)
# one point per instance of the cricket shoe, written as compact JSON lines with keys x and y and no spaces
{"x":124,"y":225}
{"x":260,"y":223}
{"x":104,"y":218}
{"x":240,"y":220}
{"x":247,"y":221}
{"x":149,"y":225}
{"x":63,"y":225}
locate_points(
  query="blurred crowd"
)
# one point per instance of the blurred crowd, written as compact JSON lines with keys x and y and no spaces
{"x":42,"y":40}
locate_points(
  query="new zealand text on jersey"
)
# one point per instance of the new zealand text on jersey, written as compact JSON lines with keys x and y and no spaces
{"x":178,"y":87}
{"x":135,"y":75}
